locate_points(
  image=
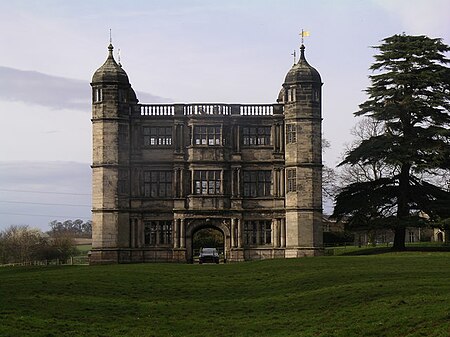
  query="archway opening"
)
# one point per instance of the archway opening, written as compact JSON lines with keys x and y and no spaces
{"x":208,"y":237}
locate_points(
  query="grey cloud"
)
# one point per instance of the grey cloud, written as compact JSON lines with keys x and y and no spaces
{"x":52,"y":91}
{"x":35,"y":193}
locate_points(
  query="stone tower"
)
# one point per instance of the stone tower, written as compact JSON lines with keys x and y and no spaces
{"x":112,"y":98}
{"x":301,"y":94}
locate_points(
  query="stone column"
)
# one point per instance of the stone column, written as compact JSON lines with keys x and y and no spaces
{"x":238,"y":138}
{"x":275,"y":182}
{"x":176,"y":237}
{"x":181,"y":126}
{"x":273,"y":136}
{"x":283,"y":233}
{"x":140,"y":233}
{"x":182,"y":183}
{"x":240,"y":232}
{"x":132,"y":233}
{"x":233,"y":229}
{"x":192,"y":191}
{"x":176,"y":183}
{"x":182,"y":234}
{"x":282,"y":183}
{"x":238,"y":182}
{"x":273,"y":237}
{"x":278,"y":233}
{"x":233,"y":182}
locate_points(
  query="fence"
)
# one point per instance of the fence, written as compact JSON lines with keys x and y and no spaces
{"x":73,"y":261}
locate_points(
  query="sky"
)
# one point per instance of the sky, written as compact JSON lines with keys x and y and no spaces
{"x":234,"y":51}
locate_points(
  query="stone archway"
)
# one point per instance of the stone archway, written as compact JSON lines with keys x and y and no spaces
{"x":208,"y":237}
{"x":194,"y":225}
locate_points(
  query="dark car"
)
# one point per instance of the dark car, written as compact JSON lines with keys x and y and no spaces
{"x":208,"y":255}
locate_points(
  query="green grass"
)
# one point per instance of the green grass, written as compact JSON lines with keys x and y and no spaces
{"x":395,"y":294}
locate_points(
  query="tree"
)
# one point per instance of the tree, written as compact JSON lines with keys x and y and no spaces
{"x":75,"y":228}
{"x":19,"y":244}
{"x":328,"y":177}
{"x":361,"y":172}
{"x":208,"y":237}
{"x":410,"y":96}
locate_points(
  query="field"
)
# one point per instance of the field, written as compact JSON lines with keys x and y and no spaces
{"x":394,"y":294}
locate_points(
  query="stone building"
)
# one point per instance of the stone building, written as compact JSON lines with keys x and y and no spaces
{"x":162,"y":172}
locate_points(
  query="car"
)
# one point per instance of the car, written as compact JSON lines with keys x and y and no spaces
{"x":208,"y":255}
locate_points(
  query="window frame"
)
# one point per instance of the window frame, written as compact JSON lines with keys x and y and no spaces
{"x":158,"y":184}
{"x":157,"y":136}
{"x":207,"y":135}
{"x":257,"y":232}
{"x":207,"y":182}
{"x":257,"y":183}
{"x":158,"y":233}
{"x":97,"y":95}
{"x":291,"y":133}
{"x":291,"y":180}
{"x":257,"y":135}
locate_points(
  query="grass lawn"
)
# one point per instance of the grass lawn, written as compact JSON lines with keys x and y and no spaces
{"x":395,"y":294}
{"x":83,"y":249}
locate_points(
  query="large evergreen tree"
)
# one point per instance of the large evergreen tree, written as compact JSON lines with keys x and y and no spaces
{"x":410,"y":95}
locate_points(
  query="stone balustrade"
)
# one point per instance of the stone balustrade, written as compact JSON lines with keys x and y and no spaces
{"x":256,"y":110}
{"x":209,"y":109}
{"x":157,"y":109}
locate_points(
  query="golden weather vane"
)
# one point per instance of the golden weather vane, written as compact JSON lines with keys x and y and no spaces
{"x":304,"y":34}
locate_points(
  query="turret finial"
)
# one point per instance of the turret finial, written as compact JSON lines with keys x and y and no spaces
{"x":110,"y":47}
{"x":110,"y":50}
{"x":304,"y":34}
{"x":302,"y":52}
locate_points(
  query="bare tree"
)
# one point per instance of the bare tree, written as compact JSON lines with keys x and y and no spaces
{"x":362,"y":172}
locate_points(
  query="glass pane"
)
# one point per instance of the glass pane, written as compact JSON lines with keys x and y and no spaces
{"x":198,"y":187}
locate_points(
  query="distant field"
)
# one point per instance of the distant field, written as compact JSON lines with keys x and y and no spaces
{"x":83,"y":249}
{"x":395,"y":294}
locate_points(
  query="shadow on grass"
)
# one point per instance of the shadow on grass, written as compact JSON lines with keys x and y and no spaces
{"x":384,"y":250}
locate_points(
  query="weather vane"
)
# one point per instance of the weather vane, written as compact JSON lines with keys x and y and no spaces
{"x":110,"y":36}
{"x":304,"y":34}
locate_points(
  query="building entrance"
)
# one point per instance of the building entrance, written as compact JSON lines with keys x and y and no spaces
{"x":211,"y":233}
{"x":208,"y":237}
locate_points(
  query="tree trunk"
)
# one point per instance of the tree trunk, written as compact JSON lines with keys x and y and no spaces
{"x":403,"y":207}
{"x":399,"y":238}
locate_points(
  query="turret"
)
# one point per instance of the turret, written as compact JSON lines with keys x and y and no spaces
{"x":301,"y":95}
{"x":112,"y":100}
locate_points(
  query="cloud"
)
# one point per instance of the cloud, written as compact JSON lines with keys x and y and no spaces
{"x":35,"y":193}
{"x":52,"y":91}
{"x":419,"y":17}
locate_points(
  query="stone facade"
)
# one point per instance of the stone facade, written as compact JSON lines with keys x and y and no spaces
{"x":161,"y":172}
